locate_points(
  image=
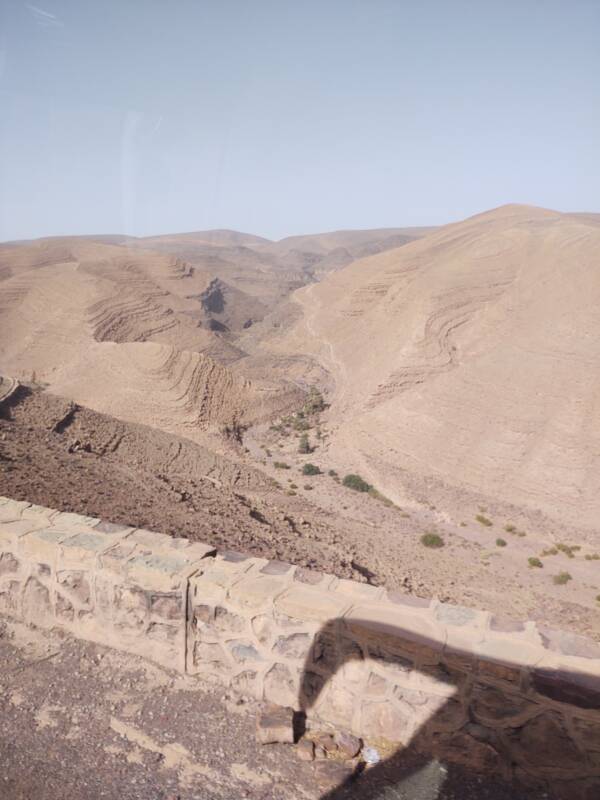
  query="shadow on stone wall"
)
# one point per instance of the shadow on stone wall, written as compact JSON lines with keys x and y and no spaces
{"x":536,"y":729}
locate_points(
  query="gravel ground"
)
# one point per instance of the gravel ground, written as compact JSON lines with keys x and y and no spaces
{"x":83,"y":722}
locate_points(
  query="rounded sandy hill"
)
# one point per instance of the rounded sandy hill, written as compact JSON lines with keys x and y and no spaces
{"x":469,"y":358}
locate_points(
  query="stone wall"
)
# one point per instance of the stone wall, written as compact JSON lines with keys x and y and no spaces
{"x":500,"y":695}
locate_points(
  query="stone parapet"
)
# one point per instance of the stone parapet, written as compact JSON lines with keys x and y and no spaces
{"x":501,"y":695}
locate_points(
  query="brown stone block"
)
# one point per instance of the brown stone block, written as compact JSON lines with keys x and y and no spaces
{"x":131,"y":609}
{"x":83,"y":549}
{"x":64,"y":609}
{"x":306,"y":603}
{"x":43,"y":545}
{"x":167,"y":606}
{"x":10,"y":597}
{"x":296,"y":645}
{"x":461,"y":748}
{"x":211,"y":655}
{"x":497,"y":708}
{"x":338,"y":706}
{"x":578,"y":689}
{"x":8,"y":564}
{"x":397,"y":630}
{"x":281,"y":686}
{"x":246,"y":683}
{"x":588,"y":733}
{"x":36,"y":605}
{"x":384,"y":719}
{"x":256,"y":592}
{"x":544,"y":742}
{"x":75,"y":584}
{"x":569,"y":644}
{"x":162,"y":632}
{"x":275,"y":725}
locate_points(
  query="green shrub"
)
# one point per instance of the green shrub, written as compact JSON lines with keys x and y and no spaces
{"x":357,"y":483}
{"x":501,"y":542}
{"x":332,"y":473}
{"x":281,"y":465}
{"x":484,"y":520}
{"x":568,"y":549}
{"x":304,"y":444}
{"x":534,"y":562}
{"x":550,"y":551}
{"x":510,"y":528}
{"x":310,"y":469}
{"x":308,"y":486}
{"x":592,"y":557}
{"x":432,"y":540}
{"x":314,"y":403}
{"x":561,"y":578}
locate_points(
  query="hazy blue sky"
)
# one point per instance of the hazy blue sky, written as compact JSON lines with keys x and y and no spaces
{"x":146,"y":116}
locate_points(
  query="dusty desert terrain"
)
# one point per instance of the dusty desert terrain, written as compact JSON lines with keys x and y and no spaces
{"x":165,"y":382}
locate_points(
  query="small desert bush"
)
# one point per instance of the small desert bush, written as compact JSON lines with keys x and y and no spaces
{"x":308,"y":486}
{"x":432,"y":540}
{"x":501,"y":542}
{"x":561,"y":578}
{"x":332,"y":473}
{"x":568,"y":549}
{"x":314,"y":403}
{"x":484,"y":520}
{"x":310,"y":469}
{"x":550,"y":551}
{"x":357,"y":483}
{"x":510,"y":528}
{"x":534,"y":562}
{"x":281,"y":465}
{"x":304,"y":444}
{"x":592,"y":557}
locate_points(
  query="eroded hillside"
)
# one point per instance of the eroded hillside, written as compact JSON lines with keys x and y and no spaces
{"x":468,"y":360}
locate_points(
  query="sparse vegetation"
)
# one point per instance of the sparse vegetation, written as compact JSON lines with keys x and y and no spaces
{"x":314,"y":403}
{"x":310,"y":469}
{"x":484,"y":520}
{"x":592,"y":557}
{"x":281,"y":465}
{"x":510,"y":528}
{"x":432,"y":540}
{"x":550,"y":551}
{"x":535,"y":562}
{"x":308,"y":486}
{"x":568,"y":549}
{"x":562,"y":578}
{"x":500,"y":542}
{"x":357,"y":483}
{"x":304,"y":444}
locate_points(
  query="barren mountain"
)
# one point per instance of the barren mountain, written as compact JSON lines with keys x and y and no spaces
{"x":459,"y":366}
{"x":124,"y":331}
{"x":468,"y":359}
